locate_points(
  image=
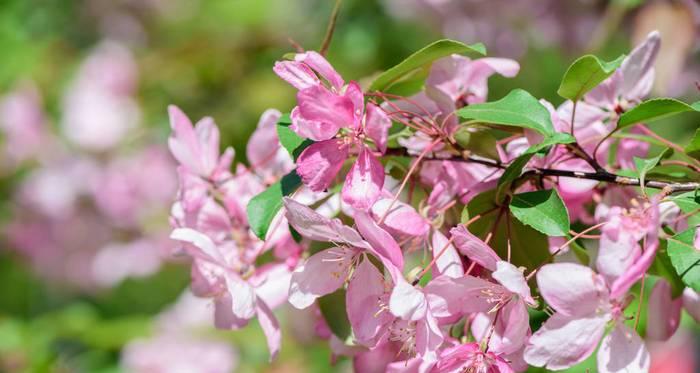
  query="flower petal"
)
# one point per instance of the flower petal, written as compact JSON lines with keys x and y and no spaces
{"x":512,"y":279}
{"x":323,"y":273}
{"x":571,"y":289}
{"x":317,"y":227}
{"x":364,"y":293}
{"x":449,"y":262}
{"x":402,"y":220}
{"x":380,"y":242}
{"x":319,"y":163}
{"x":377,"y":125}
{"x":364,"y":181}
{"x":242,"y":297}
{"x":271,"y":328}
{"x":296,"y":73}
{"x":474,"y":248}
{"x":664,"y":312}
{"x":562,"y":342}
{"x":623,"y":351}
{"x":322,"y":67}
{"x":638,"y":68}
{"x":321,"y":113}
{"x":407,"y":302}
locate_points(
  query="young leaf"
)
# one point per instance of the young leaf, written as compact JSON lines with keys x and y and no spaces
{"x":430,"y":53}
{"x":517,"y":109}
{"x":289,"y":139}
{"x":262,"y":208}
{"x":332,"y":308}
{"x":645,"y":165}
{"x":543,"y":210}
{"x":693,"y":149}
{"x":685,"y":258}
{"x":585,"y":74}
{"x":653,"y":109}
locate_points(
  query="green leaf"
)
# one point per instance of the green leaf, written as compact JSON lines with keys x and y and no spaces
{"x":543,"y":210}
{"x":585,"y":74}
{"x":693,"y":149}
{"x":685,"y":258}
{"x":688,"y":203}
{"x":653,"y":109}
{"x":517,"y":109}
{"x":645,"y":165}
{"x":673,"y":173}
{"x":529,"y":248}
{"x":263,"y":207}
{"x":289,"y":139}
{"x":333,"y":310}
{"x":479,"y":141}
{"x":662,"y":267}
{"x":430,"y":53}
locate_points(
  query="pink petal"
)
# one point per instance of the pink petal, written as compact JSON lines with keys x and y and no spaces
{"x":323,"y":273}
{"x":364,"y":293}
{"x":242,"y":297}
{"x":317,"y":227}
{"x":449,"y":262}
{"x":616,"y":256}
{"x":623,"y":351}
{"x":571,"y":289}
{"x":264,"y":152}
{"x":321,"y":113}
{"x":272,"y":284}
{"x":296,"y":73}
{"x":318,"y":164}
{"x":449,"y":297}
{"x":636,"y":271}
{"x":322,"y":67}
{"x":511,"y":331}
{"x":377,"y":125}
{"x":428,"y":337}
{"x":207,"y":248}
{"x":271,"y":328}
{"x":196,"y":149}
{"x":364,"y":181}
{"x":691,"y":303}
{"x":474,"y":248}
{"x":407,"y":302}
{"x":638,"y":68}
{"x":224,"y":318}
{"x":402,"y":220}
{"x":562,"y":342}
{"x":664,"y":312}
{"x":380,"y":242}
{"x":512,"y":279}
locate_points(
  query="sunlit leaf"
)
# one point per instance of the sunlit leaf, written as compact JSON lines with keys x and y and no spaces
{"x":654,"y":109}
{"x":543,"y":210}
{"x":585,"y":74}
{"x":685,"y":258}
{"x":263,"y":207}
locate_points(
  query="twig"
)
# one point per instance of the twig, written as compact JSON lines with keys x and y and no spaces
{"x":330,"y":29}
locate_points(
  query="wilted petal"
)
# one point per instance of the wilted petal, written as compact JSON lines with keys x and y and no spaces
{"x":623,"y":351}
{"x":512,"y":279}
{"x":271,"y":328}
{"x":571,"y":289}
{"x":562,"y":342}
{"x":377,"y":125}
{"x":380,"y":241}
{"x":296,"y":73}
{"x":318,"y":164}
{"x":365,"y":290}
{"x":664,"y":312}
{"x":364,"y":181}
{"x":323,"y":273}
{"x":321,"y":113}
{"x":449,"y":262}
{"x":474,"y":248}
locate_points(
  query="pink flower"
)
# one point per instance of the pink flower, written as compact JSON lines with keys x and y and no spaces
{"x":197,"y":148}
{"x":322,"y":113}
{"x":266,"y":156}
{"x":664,"y":312}
{"x":238,"y":295}
{"x":584,"y":307}
{"x":470,"y":358}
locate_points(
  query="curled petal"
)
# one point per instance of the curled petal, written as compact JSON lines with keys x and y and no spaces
{"x":243,"y":297}
{"x":296,"y":73}
{"x":322,"y":67}
{"x":380,"y":242}
{"x":317,"y":227}
{"x":512,"y":279}
{"x":205,"y":246}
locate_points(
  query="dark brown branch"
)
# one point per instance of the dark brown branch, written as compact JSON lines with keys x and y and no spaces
{"x":601,"y":175}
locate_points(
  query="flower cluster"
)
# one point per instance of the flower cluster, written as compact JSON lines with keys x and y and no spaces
{"x":442,"y":222}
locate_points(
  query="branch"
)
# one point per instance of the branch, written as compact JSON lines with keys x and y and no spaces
{"x":601,"y":175}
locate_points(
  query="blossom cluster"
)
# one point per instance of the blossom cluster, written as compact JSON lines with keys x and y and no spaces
{"x":441,"y":222}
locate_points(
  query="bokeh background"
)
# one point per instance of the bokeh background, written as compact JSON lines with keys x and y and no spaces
{"x":87,"y":279}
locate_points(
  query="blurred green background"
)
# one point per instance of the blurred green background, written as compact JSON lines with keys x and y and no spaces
{"x":215,"y":58}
